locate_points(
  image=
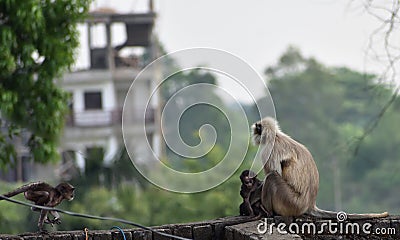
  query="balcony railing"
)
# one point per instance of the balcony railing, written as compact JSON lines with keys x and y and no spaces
{"x":97,"y":118}
{"x":94,"y":118}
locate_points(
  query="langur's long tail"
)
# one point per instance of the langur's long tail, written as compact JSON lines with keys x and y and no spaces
{"x":21,"y":189}
{"x":319,"y":213}
{"x":16,"y":192}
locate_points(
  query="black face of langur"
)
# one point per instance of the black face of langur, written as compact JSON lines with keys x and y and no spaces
{"x":257,"y":129}
{"x":246,"y":179}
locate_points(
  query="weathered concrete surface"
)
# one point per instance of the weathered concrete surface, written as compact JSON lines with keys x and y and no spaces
{"x":214,"y":229}
{"x":240,"y":228}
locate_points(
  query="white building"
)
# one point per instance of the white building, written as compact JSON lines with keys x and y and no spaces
{"x":98,"y":92}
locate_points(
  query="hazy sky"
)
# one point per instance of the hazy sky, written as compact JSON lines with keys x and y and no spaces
{"x":260,"y":30}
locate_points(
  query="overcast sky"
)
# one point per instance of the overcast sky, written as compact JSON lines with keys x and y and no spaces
{"x":260,"y":30}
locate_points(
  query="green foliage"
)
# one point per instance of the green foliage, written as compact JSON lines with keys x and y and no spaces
{"x":195,"y":117}
{"x":11,"y":214}
{"x":37,"y":43}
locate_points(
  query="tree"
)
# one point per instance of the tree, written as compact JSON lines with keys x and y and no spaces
{"x":383,"y":45}
{"x":384,"y":49}
{"x":194,"y":117}
{"x":37,"y":43}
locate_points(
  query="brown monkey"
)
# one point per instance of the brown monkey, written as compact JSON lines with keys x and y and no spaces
{"x":292,"y":179}
{"x":43,"y":194}
{"x":251,"y":194}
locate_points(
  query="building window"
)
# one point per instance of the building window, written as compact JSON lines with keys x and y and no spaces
{"x":93,"y":100}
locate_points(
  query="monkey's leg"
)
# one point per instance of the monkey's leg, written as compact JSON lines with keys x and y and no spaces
{"x":38,"y":197}
{"x":42,"y":218}
{"x":248,"y":211}
{"x":56,"y":219}
{"x":266,"y":195}
{"x":245,"y":207}
{"x":279,"y":197}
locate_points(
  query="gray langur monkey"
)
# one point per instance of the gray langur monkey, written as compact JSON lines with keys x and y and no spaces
{"x":291,"y":183}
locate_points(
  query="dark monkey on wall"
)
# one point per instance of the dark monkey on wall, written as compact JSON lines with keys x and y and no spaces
{"x":43,"y":194}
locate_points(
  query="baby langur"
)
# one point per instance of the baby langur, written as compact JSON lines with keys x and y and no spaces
{"x":291,"y":183}
{"x":43,"y":194}
{"x":251,"y":194}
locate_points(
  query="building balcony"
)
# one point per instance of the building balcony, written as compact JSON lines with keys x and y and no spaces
{"x":122,"y":75}
{"x":94,"y":118}
{"x":104,"y":118}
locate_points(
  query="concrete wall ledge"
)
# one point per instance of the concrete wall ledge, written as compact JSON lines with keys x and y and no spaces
{"x":240,"y":228}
